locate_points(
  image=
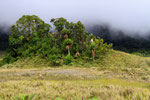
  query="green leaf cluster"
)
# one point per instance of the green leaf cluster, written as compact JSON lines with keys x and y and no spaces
{"x":31,"y":36}
{"x":24,"y":97}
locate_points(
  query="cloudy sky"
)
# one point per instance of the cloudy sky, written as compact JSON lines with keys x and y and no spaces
{"x":131,"y":15}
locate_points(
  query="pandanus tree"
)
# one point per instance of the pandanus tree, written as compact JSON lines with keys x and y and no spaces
{"x":93,"y":45}
{"x":77,"y":49}
{"x":93,"y":49}
{"x":74,"y":31}
{"x":66,"y":32}
{"x":68,"y":43}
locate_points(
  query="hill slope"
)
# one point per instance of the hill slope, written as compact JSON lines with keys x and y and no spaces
{"x":122,"y":59}
{"x":115,"y":64}
{"x":119,"y":76}
{"x":112,"y":59}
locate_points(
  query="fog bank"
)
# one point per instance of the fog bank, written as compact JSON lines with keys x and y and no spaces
{"x":131,"y":16}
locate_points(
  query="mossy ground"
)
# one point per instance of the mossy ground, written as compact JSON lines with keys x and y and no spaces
{"x":118,"y":76}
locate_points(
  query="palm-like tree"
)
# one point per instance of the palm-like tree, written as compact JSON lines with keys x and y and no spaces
{"x":65,"y":32}
{"x":93,"y":49}
{"x":68,"y":43}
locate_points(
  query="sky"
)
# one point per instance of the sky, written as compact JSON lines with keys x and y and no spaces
{"x":129,"y":15}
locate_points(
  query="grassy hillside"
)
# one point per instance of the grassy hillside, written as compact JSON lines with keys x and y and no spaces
{"x":122,"y":59}
{"x":118,"y":76}
{"x":112,"y":59}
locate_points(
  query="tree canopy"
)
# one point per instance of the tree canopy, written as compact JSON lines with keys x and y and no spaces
{"x":31,"y":36}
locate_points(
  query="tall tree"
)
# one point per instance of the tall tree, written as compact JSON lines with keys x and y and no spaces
{"x":60,"y":23}
{"x":28,"y":29}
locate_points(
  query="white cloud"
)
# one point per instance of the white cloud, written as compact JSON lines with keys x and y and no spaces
{"x":132,"y":15}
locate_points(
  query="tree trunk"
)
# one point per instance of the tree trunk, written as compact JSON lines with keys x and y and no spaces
{"x":93,"y":53}
{"x":68,"y":51}
{"x":68,"y":48}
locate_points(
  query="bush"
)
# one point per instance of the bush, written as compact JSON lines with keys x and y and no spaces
{"x":56,"y":62}
{"x":68,"y":59}
{"x":8,"y":59}
{"x":2,"y":63}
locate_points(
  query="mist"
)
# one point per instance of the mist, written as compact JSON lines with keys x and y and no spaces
{"x":130,"y":16}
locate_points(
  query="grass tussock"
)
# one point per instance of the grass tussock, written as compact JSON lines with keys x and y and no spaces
{"x":76,"y":90}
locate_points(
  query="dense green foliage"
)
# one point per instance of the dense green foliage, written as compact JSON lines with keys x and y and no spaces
{"x":31,"y":36}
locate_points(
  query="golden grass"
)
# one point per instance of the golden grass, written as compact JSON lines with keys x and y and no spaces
{"x":76,"y":90}
{"x":122,"y":59}
{"x":51,"y":86}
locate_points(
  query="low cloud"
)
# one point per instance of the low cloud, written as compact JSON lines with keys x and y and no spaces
{"x":131,"y":16}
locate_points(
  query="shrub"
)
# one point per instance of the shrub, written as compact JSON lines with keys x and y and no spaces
{"x":8,"y":59}
{"x":68,"y":59}
{"x":2,"y":63}
{"x":52,"y":57}
{"x":56,"y":62}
